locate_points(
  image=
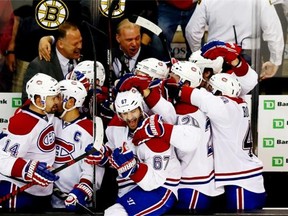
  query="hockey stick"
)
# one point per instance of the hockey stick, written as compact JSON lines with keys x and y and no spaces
{"x":63,"y":196}
{"x":112,"y":7}
{"x":147,"y":24}
{"x":87,"y":210}
{"x":96,"y":147}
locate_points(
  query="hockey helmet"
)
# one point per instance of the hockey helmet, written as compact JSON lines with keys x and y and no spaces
{"x":87,"y":68}
{"x":225,"y":83}
{"x":187,"y":71}
{"x":153,"y":67}
{"x":42,"y":85}
{"x":128,"y":100}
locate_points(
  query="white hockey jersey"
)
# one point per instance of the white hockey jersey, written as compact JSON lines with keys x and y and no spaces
{"x":156,"y":154}
{"x":71,"y":141}
{"x":197,"y":166}
{"x":30,"y":136}
{"x":235,"y":163}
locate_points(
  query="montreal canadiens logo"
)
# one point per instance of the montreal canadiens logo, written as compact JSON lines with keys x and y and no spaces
{"x":64,"y":151}
{"x":46,"y":140}
{"x":49,"y":14}
{"x":118,"y":12}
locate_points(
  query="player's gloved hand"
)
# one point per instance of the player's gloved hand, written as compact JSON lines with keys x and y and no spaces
{"x":156,"y":83}
{"x":137,"y":81}
{"x":38,"y":172}
{"x":150,"y":127}
{"x":214,"y":49}
{"x":81,"y":193}
{"x":98,"y":157}
{"x":82,"y":78}
{"x":124,"y":161}
{"x":106,"y":109}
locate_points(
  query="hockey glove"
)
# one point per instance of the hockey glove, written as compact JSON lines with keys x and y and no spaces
{"x":150,"y":127}
{"x":137,"y":81}
{"x":105,"y":109}
{"x":38,"y":172}
{"x":81,"y":193}
{"x":213,"y":49}
{"x":124,"y":161}
{"x":82,"y":78}
{"x":98,"y":157}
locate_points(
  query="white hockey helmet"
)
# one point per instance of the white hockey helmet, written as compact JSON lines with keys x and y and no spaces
{"x":42,"y":85}
{"x":153,"y":67}
{"x":225,"y":83}
{"x":87,"y":68}
{"x":128,"y":100}
{"x":203,"y":63}
{"x":72,"y":89}
{"x":187,"y":71}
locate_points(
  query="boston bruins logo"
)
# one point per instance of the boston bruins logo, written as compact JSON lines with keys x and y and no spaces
{"x":118,"y":12}
{"x":49,"y":14}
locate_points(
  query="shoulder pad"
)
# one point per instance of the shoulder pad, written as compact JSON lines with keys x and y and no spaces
{"x":87,"y":125}
{"x":116,"y":121}
{"x":21,"y":124}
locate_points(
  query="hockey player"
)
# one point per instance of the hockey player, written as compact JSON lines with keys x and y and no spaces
{"x":28,"y":151}
{"x":152,"y":73}
{"x":84,"y":72}
{"x":231,"y":132}
{"x":73,"y":133}
{"x":149,"y":171}
{"x":197,"y":187}
{"x":146,"y":71}
{"x":236,"y":167}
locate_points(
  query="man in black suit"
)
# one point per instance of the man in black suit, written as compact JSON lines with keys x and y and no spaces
{"x":65,"y":54}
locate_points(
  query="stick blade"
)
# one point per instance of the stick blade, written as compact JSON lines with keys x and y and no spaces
{"x":99,"y":133}
{"x":141,"y":21}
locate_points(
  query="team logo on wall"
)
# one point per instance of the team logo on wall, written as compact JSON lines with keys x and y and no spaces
{"x":49,"y":14}
{"x":118,"y":12}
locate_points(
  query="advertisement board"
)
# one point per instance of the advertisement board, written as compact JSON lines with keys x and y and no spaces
{"x":273,"y":132}
{"x":9,"y":102}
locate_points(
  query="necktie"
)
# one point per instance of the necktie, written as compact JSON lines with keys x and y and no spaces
{"x":126,"y":61}
{"x":70,"y":65}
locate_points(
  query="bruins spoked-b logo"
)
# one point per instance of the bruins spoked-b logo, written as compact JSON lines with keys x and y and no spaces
{"x":49,"y":14}
{"x":105,"y":6}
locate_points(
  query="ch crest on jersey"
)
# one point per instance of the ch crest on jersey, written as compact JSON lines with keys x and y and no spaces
{"x":49,"y":14}
{"x":46,"y":140}
{"x":64,"y":151}
{"x":105,"y":5}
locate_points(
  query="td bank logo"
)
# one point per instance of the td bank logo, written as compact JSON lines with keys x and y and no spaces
{"x":16,"y":102}
{"x":49,"y":14}
{"x":277,"y":161}
{"x":278,"y":123}
{"x":269,"y":104}
{"x":268,"y":142}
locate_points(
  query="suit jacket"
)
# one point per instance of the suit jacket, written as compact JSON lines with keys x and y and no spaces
{"x":51,"y":68}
